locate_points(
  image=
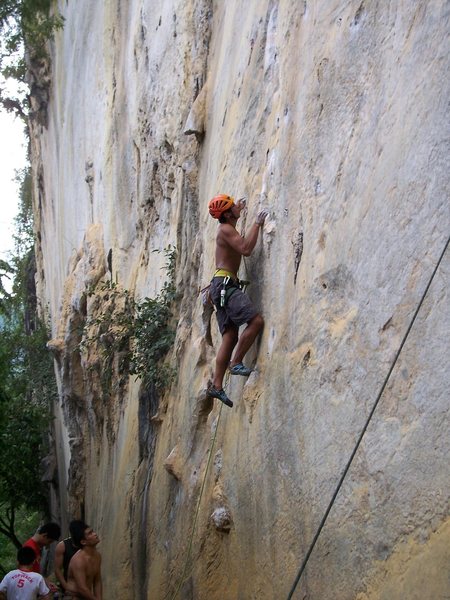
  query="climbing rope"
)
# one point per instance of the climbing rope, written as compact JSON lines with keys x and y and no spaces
{"x":184,"y":575}
{"x":352,"y":456}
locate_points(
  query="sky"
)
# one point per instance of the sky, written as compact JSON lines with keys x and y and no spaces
{"x":12,"y":157}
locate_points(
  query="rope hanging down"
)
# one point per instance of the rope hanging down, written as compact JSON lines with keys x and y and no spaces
{"x":213,"y":441}
{"x":352,"y":456}
{"x":194,"y":524}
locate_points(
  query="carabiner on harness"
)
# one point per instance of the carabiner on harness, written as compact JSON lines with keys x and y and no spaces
{"x":223,"y":291}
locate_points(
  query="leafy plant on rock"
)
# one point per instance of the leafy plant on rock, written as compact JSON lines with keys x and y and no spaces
{"x":131,"y":338}
{"x":153,"y":333}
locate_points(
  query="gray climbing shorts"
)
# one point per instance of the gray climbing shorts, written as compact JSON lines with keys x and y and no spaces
{"x":237,"y":310}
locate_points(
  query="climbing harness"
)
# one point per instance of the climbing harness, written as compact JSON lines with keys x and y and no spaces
{"x":224,"y":273}
{"x":355,"y":449}
{"x":227,"y":288}
{"x":223,"y":291}
{"x":185,"y":575}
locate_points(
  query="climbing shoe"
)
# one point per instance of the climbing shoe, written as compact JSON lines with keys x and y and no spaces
{"x":213,"y":392}
{"x":240,"y":369}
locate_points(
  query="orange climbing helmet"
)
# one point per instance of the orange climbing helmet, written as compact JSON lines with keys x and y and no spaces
{"x":220,"y":204}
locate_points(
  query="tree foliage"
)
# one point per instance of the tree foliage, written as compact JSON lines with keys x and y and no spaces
{"x":6,"y":272}
{"x":24,"y":25}
{"x":25,"y":523}
{"x":27,"y":383}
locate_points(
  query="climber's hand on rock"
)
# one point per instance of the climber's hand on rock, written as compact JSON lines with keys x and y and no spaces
{"x":261,"y":217}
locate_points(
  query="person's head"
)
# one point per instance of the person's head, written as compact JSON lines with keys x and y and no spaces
{"x":223,"y":208}
{"x":26,"y":556}
{"x":76,"y":530}
{"x":226,"y":216}
{"x":49,"y":533}
{"x":85,"y":537}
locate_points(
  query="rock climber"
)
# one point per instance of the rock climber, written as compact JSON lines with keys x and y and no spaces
{"x":233,"y":306}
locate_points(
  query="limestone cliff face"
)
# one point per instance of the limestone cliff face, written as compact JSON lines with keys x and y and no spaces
{"x":333,"y":116}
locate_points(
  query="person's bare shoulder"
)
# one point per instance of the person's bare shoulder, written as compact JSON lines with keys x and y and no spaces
{"x":226,"y":232}
{"x":77,"y":559}
{"x":60,"y":547}
{"x":224,"y":228}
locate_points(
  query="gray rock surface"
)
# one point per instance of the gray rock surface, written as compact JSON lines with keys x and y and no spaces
{"x":335,"y":117}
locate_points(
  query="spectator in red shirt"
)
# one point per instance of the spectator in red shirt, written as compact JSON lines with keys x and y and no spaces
{"x":44,"y":536}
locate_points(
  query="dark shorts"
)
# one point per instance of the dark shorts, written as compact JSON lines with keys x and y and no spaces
{"x":238,"y":309}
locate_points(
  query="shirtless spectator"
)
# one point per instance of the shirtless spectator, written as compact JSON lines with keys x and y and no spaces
{"x":65,"y":550}
{"x":84,"y":576}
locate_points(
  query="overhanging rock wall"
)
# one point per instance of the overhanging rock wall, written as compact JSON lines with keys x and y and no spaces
{"x":334,"y":116}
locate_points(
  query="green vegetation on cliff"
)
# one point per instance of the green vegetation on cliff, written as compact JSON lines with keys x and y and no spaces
{"x":153,"y":333}
{"x":132,"y":337}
